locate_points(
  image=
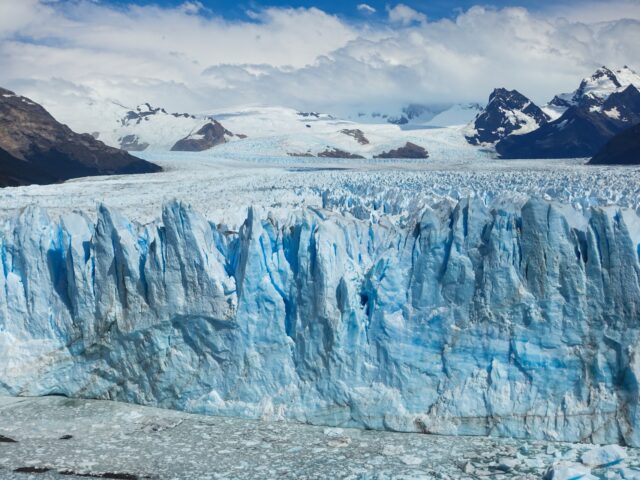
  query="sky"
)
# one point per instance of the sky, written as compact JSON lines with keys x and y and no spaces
{"x":434,"y":9}
{"x":332,"y":56}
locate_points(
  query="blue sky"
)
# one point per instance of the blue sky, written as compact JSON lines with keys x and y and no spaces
{"x":434,"y":9}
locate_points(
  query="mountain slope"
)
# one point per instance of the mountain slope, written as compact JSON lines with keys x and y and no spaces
{"x":35,"y":148}
{"x":580,"y":132}
{"x":623,"y":149}
{"x":209,"y":136}
{"x":507,"y":113}
{"x":593,"y":91}
{"x":623,"y":106}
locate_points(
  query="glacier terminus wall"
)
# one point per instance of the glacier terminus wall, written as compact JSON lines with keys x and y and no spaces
{"x":469,"y":320}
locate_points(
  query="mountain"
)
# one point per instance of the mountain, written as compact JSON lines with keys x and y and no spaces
{"x":623,"y":106}
{"x":413,"y":113}
{"x":146,"y":111}
{"x":593,"y":91}
{"x":416,"y":115}
{"x":409,"y":151}
{"x":35,"y":148}
{"x":577,"y":133}
{"x":623,"y":149}
{"x":581,"y":131}
{"x":146,"y":127}
{"x":507,"y":113}
{"x":271,"y":131}
{"x":458,"y":114}
{"x":209,"y":136}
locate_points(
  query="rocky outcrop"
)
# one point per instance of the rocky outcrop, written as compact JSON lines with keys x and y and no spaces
{"x":410,"y":150}
{"x":209,"y":136}
{"x":301,"y":154}
{"x":337,"y":153}
{"x":35,"y":148}
{"x":357,"y":134}
{"x":131,"y":143}
{"x":623,"y":149}
{"x":145,"y":112}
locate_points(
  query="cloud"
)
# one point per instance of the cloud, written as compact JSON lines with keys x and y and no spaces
{"x":363,"y":7}
{"x":592,"y":11}
{"x":192,"y":8}
{"x":404,"y":15}
{"x":71,"y":55}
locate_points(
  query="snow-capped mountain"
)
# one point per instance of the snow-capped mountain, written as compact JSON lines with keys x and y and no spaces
{"x":409,"y":114}
{"x":146,"y":127}
{"x":623,"y":105}
{"x":279,"y":131}
{"x":415,"y":114}
{"x":262,"y":131}
{"x":581,"y":131}
{"x":456,"y":115}
{"x":259,"y":130}
{"x":578,"y":124}
{"x":594,"y":90}
{"x":507,"y":113}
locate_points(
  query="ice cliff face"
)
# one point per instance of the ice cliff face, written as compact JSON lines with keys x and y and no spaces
{"x":472,"y":320}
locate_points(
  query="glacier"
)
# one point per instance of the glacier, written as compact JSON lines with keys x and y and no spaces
{"x":471,"y":318}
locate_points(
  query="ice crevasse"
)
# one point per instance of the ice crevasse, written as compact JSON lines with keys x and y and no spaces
{"x":471,"y":320}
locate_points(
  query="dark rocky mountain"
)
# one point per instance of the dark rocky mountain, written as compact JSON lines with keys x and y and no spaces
{"x":577,"y":133}
{"x":410,"y":150}
{"x":623,"y":149}
{"x":35,"y":148}
{"x":580,"y":132}
{"x":624,"y":105}
{"x":507,"y":112}
{"x":210,"y":135}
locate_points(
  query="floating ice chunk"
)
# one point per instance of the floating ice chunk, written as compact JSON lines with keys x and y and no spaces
{"x":564,"y":470}
{"x":604,"y":456}
{"x":411,"y":460}
{"x":333,"y":432}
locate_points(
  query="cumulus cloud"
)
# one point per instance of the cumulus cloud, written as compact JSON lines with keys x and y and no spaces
{"x":405,"y":15}
{"x":62,"y":53}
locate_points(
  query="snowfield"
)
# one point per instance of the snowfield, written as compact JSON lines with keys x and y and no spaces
{"x":456,"y":295}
